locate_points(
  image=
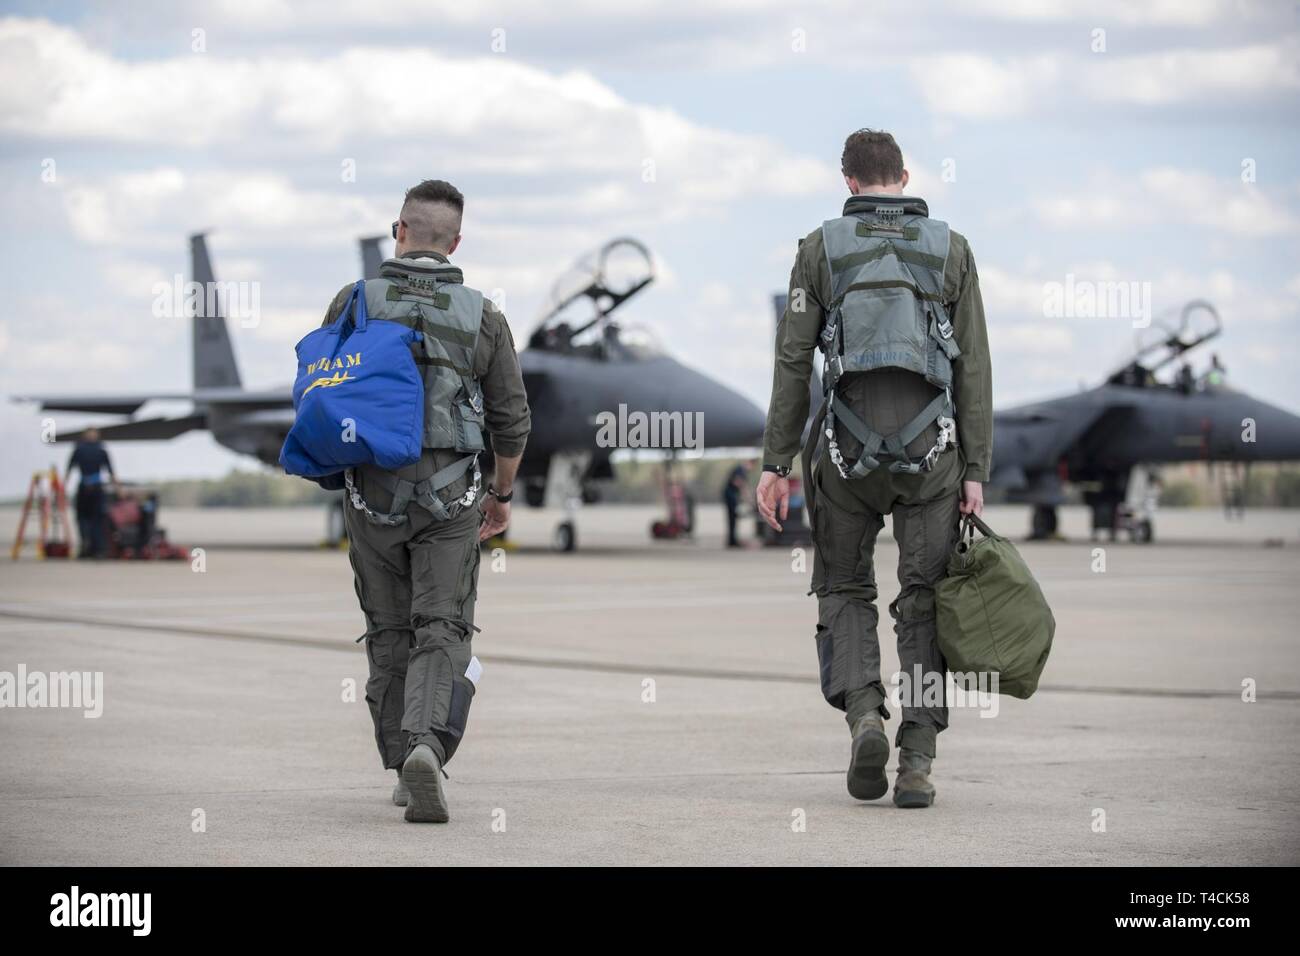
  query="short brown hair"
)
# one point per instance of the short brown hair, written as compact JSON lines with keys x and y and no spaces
{"x":872,"y":158}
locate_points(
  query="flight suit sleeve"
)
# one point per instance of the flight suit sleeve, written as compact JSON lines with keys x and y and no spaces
{"x":796,"y":338}
{"x":505,"y":402}
{"x":973,"y":372}
{"x":336,"y":306}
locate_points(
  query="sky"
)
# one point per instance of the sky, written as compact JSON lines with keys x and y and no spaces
{"x":1087,"y":143}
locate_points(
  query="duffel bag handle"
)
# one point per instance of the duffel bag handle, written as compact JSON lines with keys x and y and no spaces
{"x":972,"y":523}
{"x":357,"y":304}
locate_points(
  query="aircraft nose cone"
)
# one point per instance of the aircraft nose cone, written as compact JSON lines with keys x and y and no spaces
{"x":1276,"y":434}
{"x":726,"y":418}
{"x":733,"y":421}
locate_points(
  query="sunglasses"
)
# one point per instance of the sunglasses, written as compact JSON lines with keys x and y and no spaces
{"x":396,"y":223}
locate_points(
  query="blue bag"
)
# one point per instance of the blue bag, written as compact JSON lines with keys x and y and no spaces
{"x":358,"y":397}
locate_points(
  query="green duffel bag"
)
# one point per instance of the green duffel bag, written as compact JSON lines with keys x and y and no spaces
{"x":991,"y":614}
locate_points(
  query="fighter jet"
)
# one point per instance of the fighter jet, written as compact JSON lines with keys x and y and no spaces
{"x":1095,"y":439}
{"x":578,"y":377}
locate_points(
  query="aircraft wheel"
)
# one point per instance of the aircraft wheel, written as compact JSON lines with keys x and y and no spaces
{"x":535,"y":494}
{"x":565,"y":537}
{"x":1043,"y":524}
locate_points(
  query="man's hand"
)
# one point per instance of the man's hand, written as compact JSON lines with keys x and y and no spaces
{"x":496,"y":516}
{"x":972,"y":498}
{"x":773,"y":498}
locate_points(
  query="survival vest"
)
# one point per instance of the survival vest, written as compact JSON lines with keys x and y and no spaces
{"x":431,"y":298}
{"x":886,"y":311}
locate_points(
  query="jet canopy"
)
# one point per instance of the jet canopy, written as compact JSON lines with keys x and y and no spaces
{"x":1166,"y":340}
{"x":576,"y":319}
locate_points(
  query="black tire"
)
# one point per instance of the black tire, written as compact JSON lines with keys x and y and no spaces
{"x":535,"y":494}
{"x":565,"y":538}
{"x":1043,"y":523}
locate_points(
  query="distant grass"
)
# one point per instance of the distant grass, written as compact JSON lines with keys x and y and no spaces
{"x":641,"y":482}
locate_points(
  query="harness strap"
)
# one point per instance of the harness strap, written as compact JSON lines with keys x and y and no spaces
{"x":423,"y":493}
{"x":809,"y":448}
{"x":941,"y":332}
{"x":872,"y":441}
{"x":938,"y":410}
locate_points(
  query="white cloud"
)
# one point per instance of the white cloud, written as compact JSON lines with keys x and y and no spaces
{"x":1194,"y":76}
{"x":1005,"y":293}
{"x":977,"y":86}
{"x":123,"y":209}
{"x":491,"y":112}
{"x":1167,"y":195}
{"x":981,"y":86}
{"x":1150,"y":12}
{"x":1045,"y":337}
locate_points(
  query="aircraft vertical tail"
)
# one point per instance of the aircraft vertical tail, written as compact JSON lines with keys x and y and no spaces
{"x":213,"y":353}
{"x":371,"y":257}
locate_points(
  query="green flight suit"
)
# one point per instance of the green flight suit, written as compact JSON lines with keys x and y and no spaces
{"x":417,"y":581}
{"x":848,"y":513}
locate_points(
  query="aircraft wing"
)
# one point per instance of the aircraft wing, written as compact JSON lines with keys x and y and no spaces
{"x":103,"y":404}
{"x":149,"y":429}
{"x":1034,"y":438}
{"x":281,"y":418}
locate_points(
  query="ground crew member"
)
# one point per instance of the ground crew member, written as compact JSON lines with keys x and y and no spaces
{"x":737,"y":479}
{"x":415,"y":533}
{"x":91,"y":458}
{"x":892,"y":298}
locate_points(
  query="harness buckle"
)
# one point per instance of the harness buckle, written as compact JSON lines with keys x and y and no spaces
{"x":359,"y":503}
{"x":944,"y":326}
{"x":471,"y":493}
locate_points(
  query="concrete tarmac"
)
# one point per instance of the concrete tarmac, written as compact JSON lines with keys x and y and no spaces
{"x":647,"y":704}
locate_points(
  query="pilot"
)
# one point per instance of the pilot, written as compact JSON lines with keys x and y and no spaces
{"x":893,"y":299}
{"x":415,"y":533}
{"x":91,"y":458}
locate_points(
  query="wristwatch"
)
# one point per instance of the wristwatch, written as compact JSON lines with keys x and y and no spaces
{"x":504,"y":499}
{"x":782,"y":471}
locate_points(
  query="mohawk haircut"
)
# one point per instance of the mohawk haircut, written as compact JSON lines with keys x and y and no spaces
{"x":432,"y":212}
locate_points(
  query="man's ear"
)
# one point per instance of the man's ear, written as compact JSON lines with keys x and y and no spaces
{"x":903,"y":181}
{"x":852,"y":184}
{"x":454,"y":243}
